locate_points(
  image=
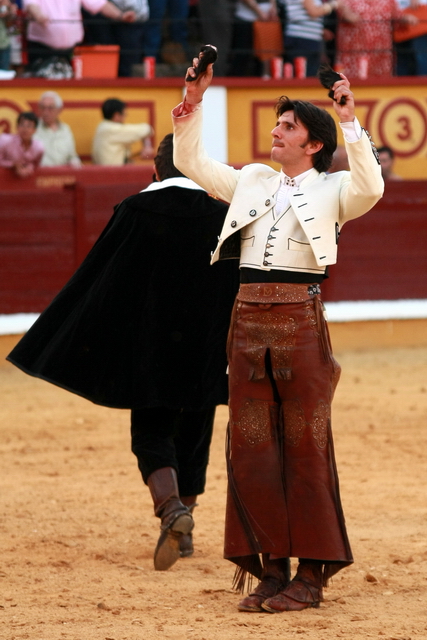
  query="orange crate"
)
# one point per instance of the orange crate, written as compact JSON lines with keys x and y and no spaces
{"x":98,"y":61}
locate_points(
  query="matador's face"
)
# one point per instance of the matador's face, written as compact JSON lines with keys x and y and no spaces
{"x":291,"y":147}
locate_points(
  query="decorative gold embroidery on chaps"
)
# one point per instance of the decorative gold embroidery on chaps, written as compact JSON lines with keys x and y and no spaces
{"x":255,"y":419}
{"x":321,"y":419}
{"x":277,"y":332}
{"x":311,"y":317}
{"x":294,"y":422}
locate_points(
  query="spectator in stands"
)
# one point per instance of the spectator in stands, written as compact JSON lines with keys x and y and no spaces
{"x":412,"y":53}
{"x":364,"y":42}
{"x":177,"y":12}
{"x":330,"y":27}
{"x":56,"y":26}
{"x":339,"y":160}
{"x":100,"y":30}
{"x":386,"y":157}
{"x":19,"y":150}
{"x":7,"y":11}
{"x":113,"y":137}
{"x":57,"y":137}
{"x":217,"y":28}
{"x":304,"y":30}
{"x":243,"y":61}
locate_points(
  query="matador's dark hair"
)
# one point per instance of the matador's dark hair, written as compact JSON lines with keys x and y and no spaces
{"x":320,"y":125}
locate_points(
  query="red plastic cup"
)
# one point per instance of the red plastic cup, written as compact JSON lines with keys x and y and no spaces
{"x":300,"y":66}
{"x":149,"y":67}
{"x":277,"y":67}
{"x":77,"y":64}
{"x":288,"y":70}
{"x":362,"y":70}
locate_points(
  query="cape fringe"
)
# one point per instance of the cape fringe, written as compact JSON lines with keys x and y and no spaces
{"x":244,"y":575}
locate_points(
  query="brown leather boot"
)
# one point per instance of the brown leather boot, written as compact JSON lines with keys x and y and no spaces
{"x":303,"y":591}
{"x":176,"y":517}
{"x":186,"y":548}
{"x":275,"y":577}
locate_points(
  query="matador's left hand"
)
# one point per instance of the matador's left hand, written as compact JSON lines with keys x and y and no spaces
{"x":341,"y":88}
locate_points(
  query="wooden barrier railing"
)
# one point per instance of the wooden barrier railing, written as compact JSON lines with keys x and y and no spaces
{"x":49,"y":222}
{"x":383,"y":254}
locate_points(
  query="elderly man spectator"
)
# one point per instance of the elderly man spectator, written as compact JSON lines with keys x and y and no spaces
{"x":56,"y":26}
{"x":56,"y":136}
{"x":19,"y":151}
{"x":113,"y":137}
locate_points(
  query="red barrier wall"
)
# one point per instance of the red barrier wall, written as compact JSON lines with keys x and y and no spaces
{"x":49,"y":222}
{"x":383,"y":254}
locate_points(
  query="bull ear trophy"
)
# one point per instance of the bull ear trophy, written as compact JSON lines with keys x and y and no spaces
{"x":208,"y":53}
{"x":328,"y":77}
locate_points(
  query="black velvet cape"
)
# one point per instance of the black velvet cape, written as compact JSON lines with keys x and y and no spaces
{"x":143,"y":322}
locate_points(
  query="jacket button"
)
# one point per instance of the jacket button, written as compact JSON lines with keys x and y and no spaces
{"x":267,"y":202}
{"x":234,"y":223}
{"x":252,"y":212}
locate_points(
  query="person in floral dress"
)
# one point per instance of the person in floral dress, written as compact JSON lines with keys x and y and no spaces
{"x":364,"y":42}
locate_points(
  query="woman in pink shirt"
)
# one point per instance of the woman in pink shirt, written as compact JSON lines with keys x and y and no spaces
{"x":56,"y":26}
{"x":19,"y":151}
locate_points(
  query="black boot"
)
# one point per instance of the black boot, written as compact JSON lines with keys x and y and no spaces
{"x":176,"y":517}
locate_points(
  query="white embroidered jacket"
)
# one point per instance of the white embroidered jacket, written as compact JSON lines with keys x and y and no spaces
{"x":323,"y":203}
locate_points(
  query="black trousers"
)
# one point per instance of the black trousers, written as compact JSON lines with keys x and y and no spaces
{"x":129,"y":36}
{"x":173,"y":438}
{"x":242,"y":59}
{"x":37,"y":50}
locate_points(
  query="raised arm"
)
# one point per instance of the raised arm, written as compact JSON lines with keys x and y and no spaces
{"x":366,"y":185}
{"x":190,"y":156}
{"x":341,"y":89}
{"x":195,"y":89}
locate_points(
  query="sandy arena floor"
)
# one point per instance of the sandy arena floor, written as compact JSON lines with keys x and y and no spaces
{"x":77,"y":530}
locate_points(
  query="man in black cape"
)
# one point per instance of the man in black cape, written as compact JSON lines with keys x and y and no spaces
{"x":142,"y":325}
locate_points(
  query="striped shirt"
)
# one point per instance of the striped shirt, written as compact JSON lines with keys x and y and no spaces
{"x":299,"y":24}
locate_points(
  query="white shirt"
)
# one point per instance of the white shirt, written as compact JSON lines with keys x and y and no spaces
{"x":184,"y":183}
{"x":59,"y":145}
{"x":112,"y":141}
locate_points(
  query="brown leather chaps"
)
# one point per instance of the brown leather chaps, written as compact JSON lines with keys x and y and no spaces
{"x":283,"y":493}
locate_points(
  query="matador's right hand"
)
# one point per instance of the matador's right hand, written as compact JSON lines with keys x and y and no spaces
{"x":195,"y":89}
